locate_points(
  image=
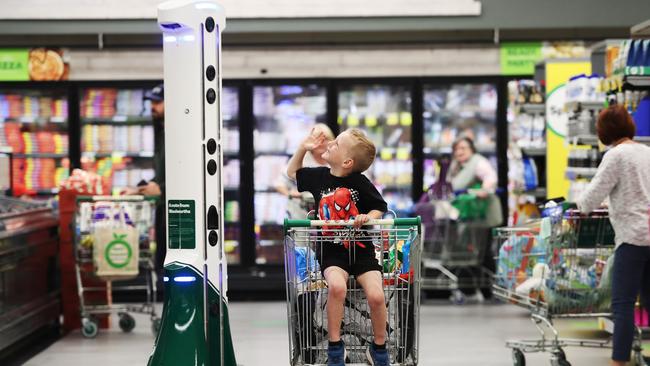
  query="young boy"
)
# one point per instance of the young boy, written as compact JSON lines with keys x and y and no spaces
{"x":345,"y":190}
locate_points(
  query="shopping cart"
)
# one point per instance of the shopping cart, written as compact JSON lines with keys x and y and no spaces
{"x":94,"y":217}
{"x":397,"y":245}
{"x":558,"y":268}
{"x":453,"y":250}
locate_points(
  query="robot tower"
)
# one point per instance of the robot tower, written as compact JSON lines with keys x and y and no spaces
{"x":195,"y":328}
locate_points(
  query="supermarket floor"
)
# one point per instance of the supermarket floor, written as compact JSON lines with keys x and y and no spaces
{"x":450,"y":335}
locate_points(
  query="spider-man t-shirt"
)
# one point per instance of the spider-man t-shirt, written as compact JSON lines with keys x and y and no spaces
{"x":342,"y":198}
{"x":321,"y":184}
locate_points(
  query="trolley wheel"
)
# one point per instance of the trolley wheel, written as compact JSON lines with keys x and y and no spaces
{"x":518,"y":357}
{"x":457,"y":297}
{"x":89,"y":327}
{"x":127,"y":323}
{"x":155,"y":325}
{"x":639,"y":360}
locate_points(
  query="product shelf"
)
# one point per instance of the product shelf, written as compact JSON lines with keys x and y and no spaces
{"x":573,"y":173}
{"x":532,"y":108}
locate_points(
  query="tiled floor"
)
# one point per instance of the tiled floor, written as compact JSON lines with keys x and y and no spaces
{"x":450,"y":335}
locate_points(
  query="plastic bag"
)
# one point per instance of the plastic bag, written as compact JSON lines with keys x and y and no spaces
{"x":305,"y":263}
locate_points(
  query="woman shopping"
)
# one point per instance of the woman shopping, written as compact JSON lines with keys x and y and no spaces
{"x":471,"y":171}
{"x":624,"y":177}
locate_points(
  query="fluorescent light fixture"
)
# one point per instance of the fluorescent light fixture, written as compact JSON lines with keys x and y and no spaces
{"x":165,"y":279}
{"x":188,"y":38}
{"x":169,"y":38}
{"x":184,"y":279}
{"x":206,"y":6}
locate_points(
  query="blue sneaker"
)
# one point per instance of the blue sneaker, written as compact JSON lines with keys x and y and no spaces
{"x":377,"y":357}
{"x":336,"y":355}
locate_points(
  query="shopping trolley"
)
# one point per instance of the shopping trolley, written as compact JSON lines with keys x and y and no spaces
{"x":397,"y":245}
{"x":95,"y":216}
{"x":453,"y":250}
{"x":558,"y":268}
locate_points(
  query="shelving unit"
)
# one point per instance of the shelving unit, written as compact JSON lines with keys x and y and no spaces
{"x":254,"y":244}
{"x":573,"y":173}
{"x":117,"y":132}
{"x":527,"y":152}
{"x":532,"y":108}
{"x":34,"y":126}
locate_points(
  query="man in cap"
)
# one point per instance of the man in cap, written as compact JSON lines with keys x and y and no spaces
{"x":156,"y":187}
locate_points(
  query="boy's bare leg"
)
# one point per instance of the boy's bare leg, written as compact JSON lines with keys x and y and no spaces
{"x":372,"y":286}
{"x":337,"y":280}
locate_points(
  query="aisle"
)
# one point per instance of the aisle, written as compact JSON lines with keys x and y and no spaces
{"x":451,"y":336}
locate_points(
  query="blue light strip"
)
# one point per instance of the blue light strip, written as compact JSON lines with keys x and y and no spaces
{"x":184,"y":279}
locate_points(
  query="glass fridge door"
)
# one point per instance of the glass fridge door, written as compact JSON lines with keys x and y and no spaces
{"x":231,"y":176}
{"x":117,"y":135}
{"x":284,"y":115}
{"x":384,"y":113}
{"x":453,"y":111}
{"x":34,"y":127}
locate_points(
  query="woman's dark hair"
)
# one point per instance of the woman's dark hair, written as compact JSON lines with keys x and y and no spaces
{"x":469,"y":141}
{"x":614,"y":123}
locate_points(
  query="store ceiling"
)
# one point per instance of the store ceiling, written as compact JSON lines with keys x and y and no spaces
{"x":499,"y":20}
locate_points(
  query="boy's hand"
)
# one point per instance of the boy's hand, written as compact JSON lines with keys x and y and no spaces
{"x":359,"y":220}
{"x":314,"y":141}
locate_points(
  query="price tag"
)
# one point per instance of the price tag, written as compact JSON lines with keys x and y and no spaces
{"x":392,"y":119}
{"x":353,"y":121}
{"x":406,"y":119}
{"x":386,"y":154}
{"x":371,"y":121}
{"x":403,"y":153}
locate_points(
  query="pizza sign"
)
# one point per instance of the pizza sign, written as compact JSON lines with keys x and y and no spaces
{"x":38,"y":64}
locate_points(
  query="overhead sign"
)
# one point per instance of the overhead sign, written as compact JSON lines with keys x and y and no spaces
{"x":519,"y":58}
{"x":38,"y":64}
{"x":13,"y":65}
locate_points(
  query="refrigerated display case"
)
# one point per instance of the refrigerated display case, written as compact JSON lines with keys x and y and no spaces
{"x":384,"y":113}
{"x":454,"y":110}
{"x":283,"y":115}
{"x":34,"y":126}
{"x":231,"y":174}
{"x":117,"y":134}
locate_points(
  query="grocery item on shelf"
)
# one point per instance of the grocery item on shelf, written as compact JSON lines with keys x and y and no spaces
{"x":268,"y":169}
{"x":29,"y":108}
{"x":585,"y":88}
{"x":231,"y":174}
{"x":108,"y":139}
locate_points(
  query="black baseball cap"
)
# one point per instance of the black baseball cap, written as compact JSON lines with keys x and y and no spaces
{"x":157,"y":94}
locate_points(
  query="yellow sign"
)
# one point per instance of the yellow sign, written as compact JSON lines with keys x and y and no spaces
{"x":371,"y":120}
{"x":353,"y":121}
{"x":392,"y":119}
{"x":557,"y":152}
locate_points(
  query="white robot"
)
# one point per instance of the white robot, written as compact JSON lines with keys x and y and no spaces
{"x":195,"y":328}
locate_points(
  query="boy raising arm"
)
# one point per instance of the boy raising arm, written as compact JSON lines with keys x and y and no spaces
{"x":344,"y":193}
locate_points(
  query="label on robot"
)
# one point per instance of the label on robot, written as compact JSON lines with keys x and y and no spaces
{"x":181,"y":224}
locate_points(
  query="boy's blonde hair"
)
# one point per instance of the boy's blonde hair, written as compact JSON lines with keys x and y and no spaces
{"x":363,"y":151}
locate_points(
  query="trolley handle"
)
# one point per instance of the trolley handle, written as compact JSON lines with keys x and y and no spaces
{"x":133,"y":198}
{"x":411,"y":221}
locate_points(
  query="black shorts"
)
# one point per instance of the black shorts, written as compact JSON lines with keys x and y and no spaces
{"x":355,"y":261}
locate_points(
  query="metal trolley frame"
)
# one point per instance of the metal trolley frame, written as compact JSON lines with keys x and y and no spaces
{"x":453,"y":251}
{"x":576,"y":251}
{"x":142,"y":211}
{"x":397,"y":245}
